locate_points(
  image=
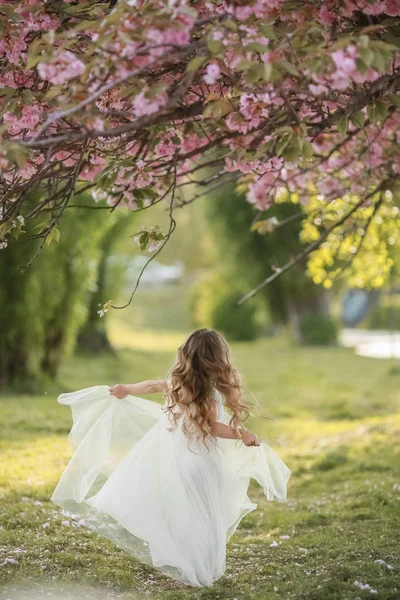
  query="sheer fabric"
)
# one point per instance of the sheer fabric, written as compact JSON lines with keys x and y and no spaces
{"x":170,"y":502}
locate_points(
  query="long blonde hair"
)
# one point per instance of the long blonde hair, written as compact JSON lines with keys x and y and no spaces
{"x":204,"y":364}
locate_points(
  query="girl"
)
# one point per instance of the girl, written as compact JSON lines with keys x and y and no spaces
{"x":169,"y":485}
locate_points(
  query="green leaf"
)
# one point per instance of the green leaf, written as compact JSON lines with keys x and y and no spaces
{"x":56,"y":234}
{"x":379,"y":61}
{"x":283,"y":130}
{"x":196,"y":63}
{"x":49,"y":238}
{"x":291,"y":152}
{"x":307,"y":149}
{"x":361,"y":66}
{"x":188,"y":128}
{"x":267,"y":71}
{"x":253,"y":75}
{"x":264,"y":71}
{"x":358,"y":119}
{"x":257,"y":47}
{"x":285,"y":65}
{"x":232,"y":25}
{"x":377,"y":111}
{"x":394,"y":99}
{"x":382,"y":109}
{"x":372,"y":114}
{"x":244,"y":65}
{"x":27,"y":97}
{"x":16,"y":153}
{"x":268,"y":31}
{"x":363,"y":41}
{"x":9,"y":10}
{"x":214,"y":46}
{"x":343,"y":124}
{"x":366,"y":55}
{"x":144,"y":240}
{"x":218,"y":109}
{"x":282,"y":143}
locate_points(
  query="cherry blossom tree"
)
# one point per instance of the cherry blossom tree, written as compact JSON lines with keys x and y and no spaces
{"x":145,"y":102}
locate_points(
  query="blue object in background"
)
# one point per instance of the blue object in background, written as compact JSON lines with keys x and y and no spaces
{"x":356,"y":306}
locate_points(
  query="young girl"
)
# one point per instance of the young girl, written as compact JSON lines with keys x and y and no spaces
{"x":169,"y":484}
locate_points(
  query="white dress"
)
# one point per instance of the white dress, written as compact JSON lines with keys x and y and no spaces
{"x":169,"y":502}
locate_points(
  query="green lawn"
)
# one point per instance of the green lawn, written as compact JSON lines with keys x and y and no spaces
{"x":336,"y":423}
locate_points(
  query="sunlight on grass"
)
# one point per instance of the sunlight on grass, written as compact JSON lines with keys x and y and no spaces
{"x":336,"y":423}
{"x":122,"y":335}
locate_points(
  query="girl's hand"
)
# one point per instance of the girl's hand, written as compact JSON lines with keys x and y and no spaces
{"x":119,"y":390}
{"x":250,"y":439}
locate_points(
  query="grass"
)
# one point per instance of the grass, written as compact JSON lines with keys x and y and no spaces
{"x":337,"y":426}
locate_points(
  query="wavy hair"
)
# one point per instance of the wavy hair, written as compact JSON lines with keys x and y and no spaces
{"x":203,"y":364}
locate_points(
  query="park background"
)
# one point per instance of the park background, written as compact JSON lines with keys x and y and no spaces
{"x":331,"y":413}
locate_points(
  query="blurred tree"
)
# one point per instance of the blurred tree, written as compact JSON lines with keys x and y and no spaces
{"x":290,"y":297}
{"x":92,"y":337}
{"x":214,"y":303}
{"x":42,"y":309}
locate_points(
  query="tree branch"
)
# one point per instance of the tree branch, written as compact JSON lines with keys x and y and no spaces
{"x":279,"y":271}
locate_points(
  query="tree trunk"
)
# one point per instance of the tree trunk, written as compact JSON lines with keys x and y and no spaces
{"x":93,"y":335}
{"x":17,"y":369}
{"x":317,"y":302}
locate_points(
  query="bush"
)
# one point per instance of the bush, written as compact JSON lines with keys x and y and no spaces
{"x":318,"y":330}
{"x":236,"y":322}
{"x":214,"y":303}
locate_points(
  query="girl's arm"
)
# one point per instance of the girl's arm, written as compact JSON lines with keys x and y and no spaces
{"x":120,"y":390}
{"x":228,"y":433}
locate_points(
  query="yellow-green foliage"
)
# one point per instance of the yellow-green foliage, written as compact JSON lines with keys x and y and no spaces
{"x":363,"y":249}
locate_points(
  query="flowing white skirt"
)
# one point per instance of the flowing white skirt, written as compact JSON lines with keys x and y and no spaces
{"x":170,"y":503}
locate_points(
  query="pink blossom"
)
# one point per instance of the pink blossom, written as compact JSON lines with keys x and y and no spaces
{"x":17,"y":78}
{"x":325,"y":16}
{"x":260,"y":8}
{"x":14,"y":46}
{"x":93,"y":168}
{"x":235,"y":122}
{"x":67,"y":157}
{"x":344,"y":61}
{"x":143,"y":178}
{"x":166,"y":146}
{"x":346,"y":68}
{"x":389,"y":7}
{"x":27,"y":170}
{"x":253,"y":109}
{"x":392,"y":8}
{"x":30,"y":117}
{"x":213,"y":73}
{"x":66,"y":66}
{"x":142,"y":105}
{"x":190,"y":142}
{"x":272,"y":164}
{"x":317,"y":90}
{"x":177,"y":35}
{"x":240,"y":165}
{"x":261,"y":191}
{"x":328,"y":186}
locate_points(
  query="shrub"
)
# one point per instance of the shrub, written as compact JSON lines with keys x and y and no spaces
{"x":236,"y":322}
{"x":214,"y":303}
{"x":318,"y":330}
